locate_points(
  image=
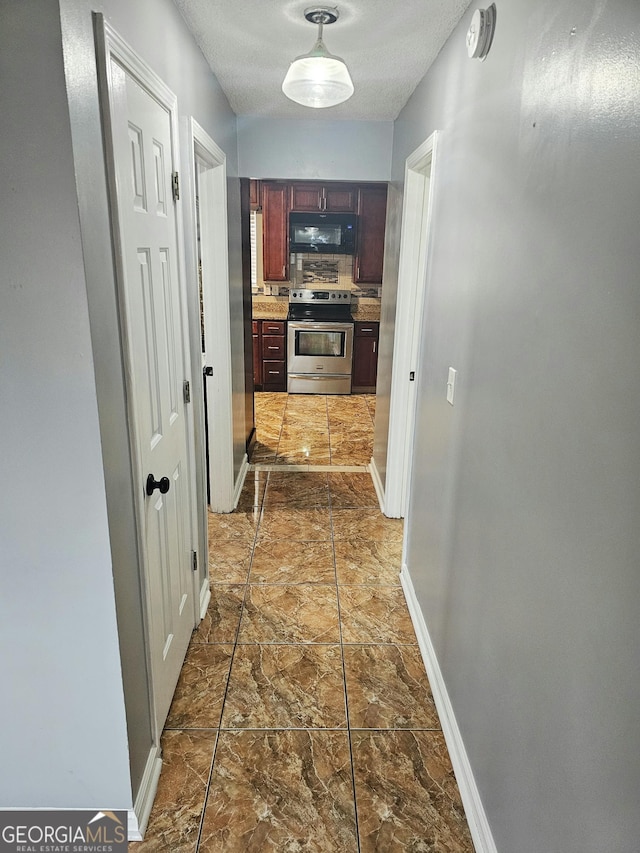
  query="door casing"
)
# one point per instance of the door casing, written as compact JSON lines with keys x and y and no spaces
{"x":209,"y":161}
{"x":413,"y":278}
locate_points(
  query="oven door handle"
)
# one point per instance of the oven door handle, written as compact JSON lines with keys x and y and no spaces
{"x":321,"y":326}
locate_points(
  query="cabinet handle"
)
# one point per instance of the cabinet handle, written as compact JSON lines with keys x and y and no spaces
{"x":366,"y":330}
{"x":374,"y":345}
{"x":283,"y":271}
{"x":358,"y":273}
{"x":275,"y":372}
{"x":273,"y":347}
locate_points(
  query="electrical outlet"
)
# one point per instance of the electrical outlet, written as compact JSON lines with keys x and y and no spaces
{"x":451,"y":385}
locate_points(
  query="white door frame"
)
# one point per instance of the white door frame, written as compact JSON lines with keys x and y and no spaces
{"x":214,"y":251}
{"x":413,"y":276}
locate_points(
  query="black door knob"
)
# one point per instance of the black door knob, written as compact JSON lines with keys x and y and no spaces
{"x":153,"y":484}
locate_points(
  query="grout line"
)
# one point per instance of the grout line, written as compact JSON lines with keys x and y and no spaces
{"x":233,"y":654}
{"x":344,"y":679}
{"x":206,"y":791}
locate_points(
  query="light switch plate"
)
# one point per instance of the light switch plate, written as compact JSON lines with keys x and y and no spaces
{"x":451,"y":385}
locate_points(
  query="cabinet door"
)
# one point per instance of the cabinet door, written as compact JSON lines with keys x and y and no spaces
{"x":340,"y":198}
{"x":372,"y":214}
{"x":306,"y":196}
{"x":257,"y":355}
{"x":273,"y":327}
{"x":365,"y":356}
{"x":274,"y":375}
{"x":337,"y":198}
{"x":275,"y":239}
{"x":254,"y":194}
{"x":273,"y":346}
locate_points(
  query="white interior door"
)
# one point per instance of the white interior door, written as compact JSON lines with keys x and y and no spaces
{"x":151,"y":292}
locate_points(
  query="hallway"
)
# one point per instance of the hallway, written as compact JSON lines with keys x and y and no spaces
{"x":303,"y":719}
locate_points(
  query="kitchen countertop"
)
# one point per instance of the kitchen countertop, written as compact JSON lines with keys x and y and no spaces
{"x":368,"y":312}
{"x":276,"y":308}
{"x":270,"y":307}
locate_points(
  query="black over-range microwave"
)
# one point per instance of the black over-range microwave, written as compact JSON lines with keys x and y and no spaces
{"x":324,"y":233}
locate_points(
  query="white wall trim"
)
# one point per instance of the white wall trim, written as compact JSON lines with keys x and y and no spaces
{"x":139,"y":814}
{"x":415,"y":251}
{"x":205,"y":595}
{"x":217,"y":317}
{"x":377,"y":483}
{"x":474,"y":810}
{"x":242,"y":474}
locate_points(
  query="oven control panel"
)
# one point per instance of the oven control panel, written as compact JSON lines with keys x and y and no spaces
{"x":309,"y":296}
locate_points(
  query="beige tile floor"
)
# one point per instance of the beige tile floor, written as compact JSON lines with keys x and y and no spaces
{"x":310,"y":430}
{"x":303,"y":718}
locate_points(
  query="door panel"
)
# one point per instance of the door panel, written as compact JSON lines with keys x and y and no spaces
{"x":154,"y":339}
{"x":275,"y":236}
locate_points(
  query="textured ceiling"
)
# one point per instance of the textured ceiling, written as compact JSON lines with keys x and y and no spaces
{"x":388,"y":47}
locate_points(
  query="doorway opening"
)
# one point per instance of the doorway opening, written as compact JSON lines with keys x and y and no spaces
{"x":313,"y":425}
{"x":208,"y":265}
{"x":415,"y":243}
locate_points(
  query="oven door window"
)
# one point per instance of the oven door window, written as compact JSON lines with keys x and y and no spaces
{"x":314,"y":343}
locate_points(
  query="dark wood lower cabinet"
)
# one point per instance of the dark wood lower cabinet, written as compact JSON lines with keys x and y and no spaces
{"x":365,"y":357}
{"x":270,"y":355}
{"x":274,"y":375}
{"x":257,"y":355}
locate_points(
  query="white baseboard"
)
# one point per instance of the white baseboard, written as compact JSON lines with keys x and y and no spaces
{"x":377,"y":483}
{"x":205,"y":596}
{"x":474,"y":810}
{"x":139,"y":814}
{"x":242,"y":473}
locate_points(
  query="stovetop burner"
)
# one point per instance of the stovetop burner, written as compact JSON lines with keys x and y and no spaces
{"x":320,"y":305}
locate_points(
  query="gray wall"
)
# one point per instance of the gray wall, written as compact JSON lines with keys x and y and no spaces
{"x":308,"y":148}
{"x":523,"y":534}
{"x":63,"y":738}
{"x":67,"y":533}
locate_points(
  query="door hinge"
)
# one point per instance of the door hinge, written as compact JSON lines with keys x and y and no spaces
{"x":194,"y":560}
{"x":412,"y":376}
{"x":186,"y":391}
{"x":175,"y":185}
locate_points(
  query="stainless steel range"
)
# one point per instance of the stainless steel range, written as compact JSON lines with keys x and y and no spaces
{"x":319,"y":342}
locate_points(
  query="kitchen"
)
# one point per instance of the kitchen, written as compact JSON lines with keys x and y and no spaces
{"x":317,"y":250}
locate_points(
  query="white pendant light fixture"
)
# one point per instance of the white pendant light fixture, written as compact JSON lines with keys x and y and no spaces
{"x":318,"y":79}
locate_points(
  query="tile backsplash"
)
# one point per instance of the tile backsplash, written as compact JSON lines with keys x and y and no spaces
{"x":329,"y":271}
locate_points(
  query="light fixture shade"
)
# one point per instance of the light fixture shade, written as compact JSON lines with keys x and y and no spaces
{"x":318,"y":79}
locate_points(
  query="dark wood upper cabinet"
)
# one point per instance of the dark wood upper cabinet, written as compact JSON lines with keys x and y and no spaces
{"x":372,"y":214}
{"x":306,"y":197}
{"x":275,"y":242}
{"x":333,"y":197}
{"x":369,"y":201}
{"x":341,"y":198}
{"x":255,"y":200}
